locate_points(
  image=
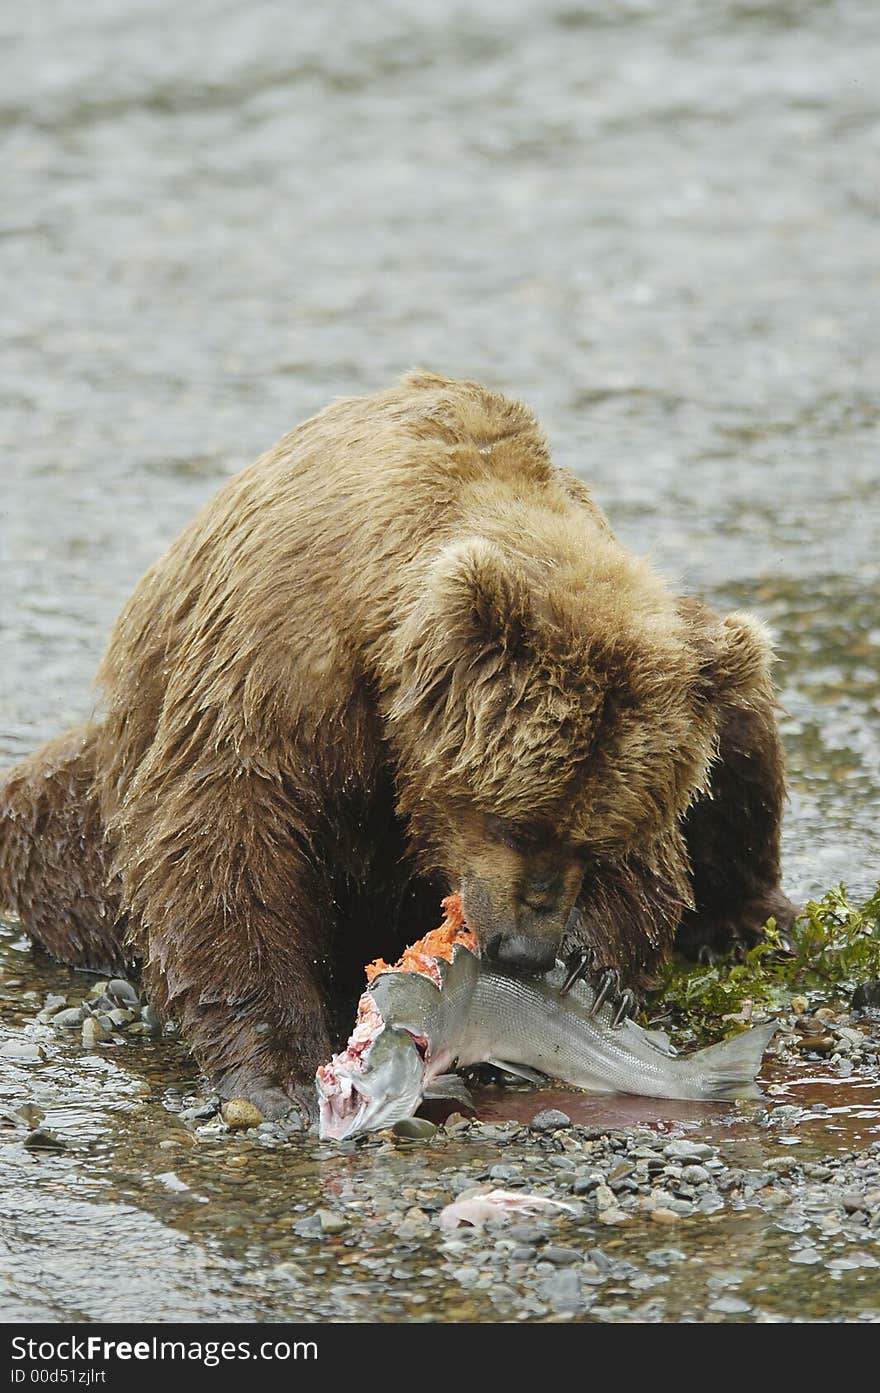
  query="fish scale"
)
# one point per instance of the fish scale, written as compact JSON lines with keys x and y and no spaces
{"x":524,"y":1021}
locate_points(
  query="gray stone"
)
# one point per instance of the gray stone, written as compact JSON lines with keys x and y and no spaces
{"x":562,"y":1291}
{"x":43,"y":1140}
{"x":71,"y":1019}
{"x":21,"y":1051}
{"x":730,"y":1306}
{"x":550,"y":1120}
{"x":683,"y":1150}
{"x":93,"y":1032}
{"x":414,"y":1129}
{"x":122,"y":990}
{"x":560,"y":1257}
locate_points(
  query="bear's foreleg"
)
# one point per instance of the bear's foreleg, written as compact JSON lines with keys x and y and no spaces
{"x":733,"y":838}
{"x":227,"y":908}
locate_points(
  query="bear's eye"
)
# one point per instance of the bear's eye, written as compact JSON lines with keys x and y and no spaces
{"x":512,"y":836}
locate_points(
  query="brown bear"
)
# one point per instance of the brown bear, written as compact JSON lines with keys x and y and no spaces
{"x":400,"y":654}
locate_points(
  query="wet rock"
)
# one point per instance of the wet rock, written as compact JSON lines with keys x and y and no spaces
{"x":310,"y":1227}
{"x":730,"y":1306}
{"x":605,"y":1197}
{"x":43,"y":1140}
{"x":695,"y":1175}
{"x":525,"y":1233}
{"x":414,"y":1129}
{"x":505,"y":1173}
{"x":21,"y":1051}
{"x":22,"y":1114}
{"x":866,"y":995}
{"x":562,"y":1291}
{"x":52,"y":1006}
{"x":123,"y":991}
{"x":119,"y":1017}
{"x":586,"y":1181}
{"x":550,"y":1120}
{"x":172,"y":1181}
{"x":93,"y":1032}
{"x":150,"y":1021}
{"x":665,"y":1257}
{"x":560,"y":1257}
{"x":663,"y":1215}
{"x":817,"y":1044}
{"x":683,"y":1150}
{"x":239,"y":1113}
{"x":331,"y":1222}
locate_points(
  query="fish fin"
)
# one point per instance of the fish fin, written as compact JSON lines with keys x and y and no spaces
{"x":730,"y":1067}
{"x":519,"y":1071}
{"x":451,"y":1087}
{"x":660,"y":1041}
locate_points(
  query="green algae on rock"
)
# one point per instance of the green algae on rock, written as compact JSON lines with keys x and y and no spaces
{"x":831,"y":949}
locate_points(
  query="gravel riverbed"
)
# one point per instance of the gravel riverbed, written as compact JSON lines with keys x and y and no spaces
{"x":115,"y":1162}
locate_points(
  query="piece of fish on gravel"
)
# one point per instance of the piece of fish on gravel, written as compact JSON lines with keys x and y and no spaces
{"x":445,"y":1006}
{"x":479,"y":1209}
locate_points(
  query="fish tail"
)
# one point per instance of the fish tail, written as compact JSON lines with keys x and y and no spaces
{"x":729,"y":1068}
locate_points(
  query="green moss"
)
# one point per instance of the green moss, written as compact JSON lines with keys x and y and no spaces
{"x":833,"y":946}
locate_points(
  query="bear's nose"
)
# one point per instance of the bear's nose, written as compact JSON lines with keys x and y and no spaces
{"x":518,"y":950}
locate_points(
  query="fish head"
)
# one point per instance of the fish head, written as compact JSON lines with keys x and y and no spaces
{"x":387,"y":1087}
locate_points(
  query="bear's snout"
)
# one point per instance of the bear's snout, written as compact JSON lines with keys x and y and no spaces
{"x":521,"y":950}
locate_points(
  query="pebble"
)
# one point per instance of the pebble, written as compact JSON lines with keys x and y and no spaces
{"x":239,"y":1113}
{"x":53,"y":1005}
{"x":414,"y":1129}
{"x":172,"y":1181}
{"x":331,"y":1222}
{"x":730,"y":1306}
{"x":695,"y":1175}
{"x":665,"y":1257}
{"x":560,"y":1257}
{"x":43,"y":1140}
{"x":550,"y":1120}
{"x":586,"y":1181}
{"x":119,"y":1017}
{"x":93,"y":1032}
{"x":683,"y":1150}
{"x":22,"y":1114}
{"x":663,"y":1215}
{"x":562,"y":1291}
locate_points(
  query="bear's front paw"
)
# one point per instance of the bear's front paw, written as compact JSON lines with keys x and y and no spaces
{"x":296,"y":1105}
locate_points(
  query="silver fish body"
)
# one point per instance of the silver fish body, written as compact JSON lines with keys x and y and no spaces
{"x":524,"y":1021}
{"x":480,"y":1014}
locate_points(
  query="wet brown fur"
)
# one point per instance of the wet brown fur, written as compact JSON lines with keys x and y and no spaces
{"x":399,"y":631}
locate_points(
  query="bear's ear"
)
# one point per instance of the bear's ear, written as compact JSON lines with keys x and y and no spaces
{"x":735,"y":655}
{"x":479,"y":589}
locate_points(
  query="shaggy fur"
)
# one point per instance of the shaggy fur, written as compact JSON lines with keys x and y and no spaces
{"x":400,"y":653}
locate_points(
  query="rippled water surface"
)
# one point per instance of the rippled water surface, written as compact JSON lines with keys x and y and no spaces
{"x":655,"y":222}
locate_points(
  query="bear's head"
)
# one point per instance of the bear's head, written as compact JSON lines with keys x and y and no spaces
{"x":550,"y":715}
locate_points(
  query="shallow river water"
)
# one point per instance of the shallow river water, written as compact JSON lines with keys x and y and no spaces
{"x":658,"y":224}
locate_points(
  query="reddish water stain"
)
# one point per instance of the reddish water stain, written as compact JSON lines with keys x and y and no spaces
{"x":845,"y":1111}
